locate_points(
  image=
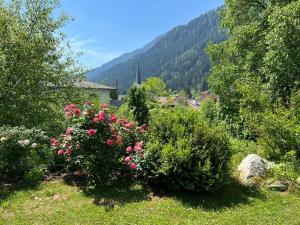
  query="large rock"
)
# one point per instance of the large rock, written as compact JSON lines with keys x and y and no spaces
{"x":252,"y":166}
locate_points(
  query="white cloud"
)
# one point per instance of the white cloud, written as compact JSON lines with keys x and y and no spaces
{"x":92,"y":54}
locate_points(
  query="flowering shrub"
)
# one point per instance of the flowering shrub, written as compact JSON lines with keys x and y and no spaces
{"x":24,"y":153}
{"x":99,"y":144}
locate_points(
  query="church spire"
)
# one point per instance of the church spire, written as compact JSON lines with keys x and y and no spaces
{"x":138,"y":79}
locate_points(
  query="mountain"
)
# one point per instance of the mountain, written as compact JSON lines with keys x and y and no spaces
{"x":95,"y":73}
{"x":178,"y":57}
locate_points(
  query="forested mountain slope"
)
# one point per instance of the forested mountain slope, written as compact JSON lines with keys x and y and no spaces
{"x":178,"y":57}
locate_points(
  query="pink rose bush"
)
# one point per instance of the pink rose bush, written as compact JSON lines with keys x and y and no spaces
{"x":99,"y":144}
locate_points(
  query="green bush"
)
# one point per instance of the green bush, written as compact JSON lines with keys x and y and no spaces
{"x":23,"y":153}
{"x":185,"y":152}
{"x":283,"y":171}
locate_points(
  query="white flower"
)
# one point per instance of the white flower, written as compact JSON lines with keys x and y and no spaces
{"x":21,"y":142}
{"x":34,"y":145}
{"x":26,"y":142}
{"x":3,"y":139}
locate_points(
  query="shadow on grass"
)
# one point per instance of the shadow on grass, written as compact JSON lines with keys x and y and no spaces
{"x":9,"y":189}
{"x":119,"y":193}
{"x":124,"y":191}
{"x":230,"y":195}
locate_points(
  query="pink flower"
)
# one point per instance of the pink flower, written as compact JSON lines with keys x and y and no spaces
{"x":68,"y":152}
{"x":60,"y":152}
{"x":137,"y":148}
{"x":127,"y":159}
{"x":109,"y":142}
{"x":76,"y":112}
{"x":140,"y":155}
{"x":140,"y":129}
{"x":140,"y":144}
{"x":68,"y":114}
{"x":96,"y":120}
{"x":72,"y":106}
{"x":67,"y":109}
{"x":129,"y":149}
{"x":119,"y":140}
{"x":92,"y":132}
{"x":113,"y":118}
{"x":54,"y":142}
{"x":129,"y":125}
{"x":69,"y":130}
{"x":101,"y":116}
{"x":122,"y":121}
{"x":133,"y":166}
{"x":104,"y":106}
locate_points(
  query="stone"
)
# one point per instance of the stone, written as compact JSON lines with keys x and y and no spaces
{"x":298,"y":180}
{"x":252,"y":166}
{"x":278,"y":186}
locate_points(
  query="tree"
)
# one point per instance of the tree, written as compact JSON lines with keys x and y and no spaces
{"x":263,"y":46}
{"x":155,"y":87}
{"x":37,"y":71}
{"x":256,"y":73}
{"x":137,"y":103}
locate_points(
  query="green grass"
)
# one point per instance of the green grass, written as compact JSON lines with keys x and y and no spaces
{"x":56,"y":202}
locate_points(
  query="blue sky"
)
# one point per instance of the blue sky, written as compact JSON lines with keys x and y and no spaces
{"x":105,"y":29}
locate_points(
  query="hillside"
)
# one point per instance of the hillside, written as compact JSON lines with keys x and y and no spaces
{"x":178,"y":57}
{"x":95,"y":74}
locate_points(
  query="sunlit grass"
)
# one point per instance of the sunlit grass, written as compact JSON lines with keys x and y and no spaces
{"x":58,"y":203}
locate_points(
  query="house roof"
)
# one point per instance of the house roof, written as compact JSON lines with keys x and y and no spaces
{"x":92,"y":85}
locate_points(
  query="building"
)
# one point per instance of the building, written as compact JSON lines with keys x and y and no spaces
{"x":96,"y":90}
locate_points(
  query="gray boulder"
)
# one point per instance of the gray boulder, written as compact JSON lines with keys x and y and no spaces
{"x":252,"y":166}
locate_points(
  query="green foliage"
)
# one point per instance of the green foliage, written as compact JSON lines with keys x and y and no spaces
{"x":36,"y":71}
{"x":263,"y":46}
{"x":283,"y":171}
{"x":177,"y":57}
{"x":24,"y":154}
{"x":209,"y":109}
{"x":155,"y":87}
{"x":184,"y":152}
{"x":256,"y":73}
{"x":137,"y":104}
{"x":275,"y":128}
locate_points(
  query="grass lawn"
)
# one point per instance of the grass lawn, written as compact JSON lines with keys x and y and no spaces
{"x":56,"y":202}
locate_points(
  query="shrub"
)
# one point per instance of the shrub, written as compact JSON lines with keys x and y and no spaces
{"x":98,"y":144}
{"x":283,"y":171}
{"x":184,"y":152}
{"x":24,"y":153}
